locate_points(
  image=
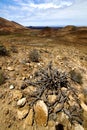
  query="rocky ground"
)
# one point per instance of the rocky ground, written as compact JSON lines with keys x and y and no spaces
{"x":16,"y":111}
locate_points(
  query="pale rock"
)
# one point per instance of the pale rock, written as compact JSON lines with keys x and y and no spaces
{"x":61,"y":117}
{"x":23,"y":78}
{"x":52,"y":98}
{"x":84,"y":106}
{"x":85,"y":119}
{"x":64,"y":120}
{"x":10,"y":68}
{"x":11,"y":87}
{"x":27,"y":64}
{"x":29,"y":118}
{"x":51,"y":123}
{"x":31,"y":76}
{"x":78,"y":127}
{"x":58,"y":107}
{"x":43,"y":128}
{"x":41,"y":113}
{"x":39,"y":64}
{"x":28,"y":128}
{"x":17,"y":94}
{"x":21,"y":102}
{"x":82,"y":101}
{"x":29,"y":90}
{"x":64,"y":89}
{"x":21,"y":114}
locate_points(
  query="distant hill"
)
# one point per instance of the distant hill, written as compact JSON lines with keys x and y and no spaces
{"x":68,"y":33}
{"x":7,"y":26}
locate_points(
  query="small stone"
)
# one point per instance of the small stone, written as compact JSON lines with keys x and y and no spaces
{"x":64,"y":89}
{"x":31,"y":76}
{"x":29,"y":118}
{"x":39,"y":64}
{"x":58,"y":107}
{"x":84,"y":106}
{"x":17,"y":94}
{"x":21,"y":114}
{"x":23,"y":78}
{"x":27,"y":64}
{"x":28,"y":128}
{"x":6,"y":111}
{"x":23,"y":86}
{"x":52,"y":98}
{"x":53,"y":116}
{"x":41,"y":113}
{"x":62,"y":117}
{"x":21,"y":102}
{"x":10,"y":68}
{"x":78,"y":127}
{"x":51,"y":123}
{"x":29,"y":90}
{"x":12,"y":87}
{"x":1,"y":95}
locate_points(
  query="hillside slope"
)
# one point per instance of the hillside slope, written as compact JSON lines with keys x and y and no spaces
{"x":7,"y":26}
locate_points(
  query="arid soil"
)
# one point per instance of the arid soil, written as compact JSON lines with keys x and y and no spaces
{"x":65,"y":53}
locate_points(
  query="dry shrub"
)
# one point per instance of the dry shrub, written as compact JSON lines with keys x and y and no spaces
{"x":2,"y":77}
{"x":14,"y":49}
{"x":76,"y":76}
{"x":3,"y":51}
{"x":34,"y":55}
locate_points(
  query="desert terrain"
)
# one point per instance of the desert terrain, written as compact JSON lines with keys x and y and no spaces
{"x":23,"y":52}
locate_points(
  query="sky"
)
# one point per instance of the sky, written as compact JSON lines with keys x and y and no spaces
{"x":45,"y":12}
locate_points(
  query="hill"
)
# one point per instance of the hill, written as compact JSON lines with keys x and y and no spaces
{"x":7,"y":26}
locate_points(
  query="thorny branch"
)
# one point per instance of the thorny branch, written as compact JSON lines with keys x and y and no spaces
{"x":51,"y":81}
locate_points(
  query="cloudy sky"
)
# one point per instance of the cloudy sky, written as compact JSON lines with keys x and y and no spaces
{"x":45,"y":12}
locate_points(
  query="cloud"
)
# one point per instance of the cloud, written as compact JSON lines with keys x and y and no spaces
{"x":46,"y":12}
{"x":50,"y":5}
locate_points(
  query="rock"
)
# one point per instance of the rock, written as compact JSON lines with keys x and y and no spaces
{"x":29,"y":90}
{"x":52,"y":98}
{"x":21,"y":102}
{"x":43,"y":128}
{"x":53,"y":116}
{"x":61,"y":117}
{"x":23,"y":86}
{"x":6,"y":111}
{"x":21,"y":114}
{"x":28,"y":128}
{"x":84,"y":106}
{"x":10,"y":68}
{"x":41,"y":113}
{"x":58,"y":107}
{"x":78,"y":127}
{"x":31,"y":76}
{"x":17,"y":94}
{"x":39,"y":64}
{"x":64,"y":89}
{"x":11,"y":87}
{"x":51,"y":123}
{"x":1,"y":95}
{"x":29,"y":118}
{"x":27,"y":64}
{"x":23,"y":78}
{"x":85,"y":119}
